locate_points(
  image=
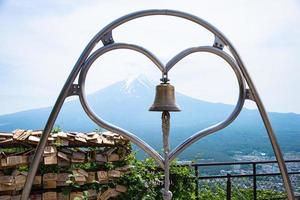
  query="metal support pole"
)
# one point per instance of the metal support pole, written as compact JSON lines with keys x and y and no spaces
{"x":49,"y":125}
{"x":228,"y":187}
{"x":167,"y":194}
{"x":254,"y":182}
{"x":268,"y":126}
{"x":197,"y":182}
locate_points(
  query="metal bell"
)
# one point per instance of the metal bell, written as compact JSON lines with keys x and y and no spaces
{"x":164,"y":98}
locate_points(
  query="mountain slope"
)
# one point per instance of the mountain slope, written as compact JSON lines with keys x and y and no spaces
{"x":126,"y":104}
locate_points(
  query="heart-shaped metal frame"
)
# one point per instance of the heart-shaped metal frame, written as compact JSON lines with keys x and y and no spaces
{"x":142,"y":144}
{"x":105,"y":35}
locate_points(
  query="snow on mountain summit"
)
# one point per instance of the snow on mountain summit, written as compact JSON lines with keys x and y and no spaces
{"x":134,"y":83}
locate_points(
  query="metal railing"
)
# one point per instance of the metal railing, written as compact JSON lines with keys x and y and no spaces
{"x":228,"y":177}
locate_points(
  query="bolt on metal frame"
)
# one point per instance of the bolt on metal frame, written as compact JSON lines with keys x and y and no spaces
{"x":247,"y":91}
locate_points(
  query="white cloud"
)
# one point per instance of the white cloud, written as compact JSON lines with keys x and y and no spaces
{"x":41,"y":43}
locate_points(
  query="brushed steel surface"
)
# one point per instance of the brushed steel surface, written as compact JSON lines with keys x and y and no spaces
{"x":239,"y":105}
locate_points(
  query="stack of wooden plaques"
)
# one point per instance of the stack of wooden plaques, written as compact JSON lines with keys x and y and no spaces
{"x":71,"y":162}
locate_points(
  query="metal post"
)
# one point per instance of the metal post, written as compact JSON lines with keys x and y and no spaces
{"x":268,"y":126}
{"x":46,"y":132}
{"x":167,"y":194}
{"x":197,"y":182}
{"x":254,"y":181}
{"x":228,"y":187}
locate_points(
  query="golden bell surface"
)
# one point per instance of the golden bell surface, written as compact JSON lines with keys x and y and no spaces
{"x":164,"y":99}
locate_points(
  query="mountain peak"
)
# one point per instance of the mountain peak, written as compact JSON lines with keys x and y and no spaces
{"x":135,"y":83}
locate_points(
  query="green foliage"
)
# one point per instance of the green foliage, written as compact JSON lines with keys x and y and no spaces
{"x":12,"y":150}
{"x":85,"y":195}
{"x":183,"y":183}
{"x":267,"y":194}
{"x":43,"y":169}
{"x":23,"y":168}
{"x":58,"y":142}
{"x":145,"y":181}
{"x":142,"y":182}
{"x":217,"y":192}
{"x":56,"y":129}
{"x":91,"y":166}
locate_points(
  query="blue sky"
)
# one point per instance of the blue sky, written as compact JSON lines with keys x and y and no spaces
{"x":41,"y":41}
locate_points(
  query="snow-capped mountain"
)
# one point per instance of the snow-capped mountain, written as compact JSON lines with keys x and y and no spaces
{"x":135,"y":83}
{"x":126,"y":104}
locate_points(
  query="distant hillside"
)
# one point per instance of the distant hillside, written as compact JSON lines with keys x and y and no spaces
{"x":126,"y":104}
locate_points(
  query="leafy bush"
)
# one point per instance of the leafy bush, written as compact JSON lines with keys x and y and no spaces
{"x":144,"y":182}
{"x":217,"y":192}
